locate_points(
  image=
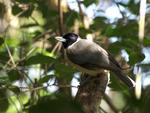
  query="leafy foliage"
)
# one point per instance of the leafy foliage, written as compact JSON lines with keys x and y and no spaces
{"x":31,"y":61}
{"x":56,"y":104}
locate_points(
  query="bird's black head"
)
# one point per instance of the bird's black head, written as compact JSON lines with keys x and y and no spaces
{"x":70,"y":38}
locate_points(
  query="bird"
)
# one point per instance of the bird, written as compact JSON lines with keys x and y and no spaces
{"x":89,"y":57}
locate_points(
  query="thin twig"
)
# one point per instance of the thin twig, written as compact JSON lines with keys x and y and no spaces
{"x":108,"y":100}
{"x":49,"y":31}
{"x":33,"y":18}
{"x":55,"y":47}
{"x":42,"y":87}
{"x":5,"y":67}
{"x":102,"y":109}
{"x":27,"y":89}
{"x":10,"y":55}
{"x":60,"y":19}
{"x":22,"y":72}
{"x":117,"y":4}
{"x":80,"y":11}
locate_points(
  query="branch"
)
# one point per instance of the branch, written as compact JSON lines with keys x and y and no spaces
{"x":121,"y":12}
{"x":142,"y":20}
{"x":27,"y":89}
{"x":10,"y":54}
{"x":60,"y":19}
{"x":90,"y":93}
{"x":49,"y":31}
{"x":108,"y":101}
{"x":80,"y":10}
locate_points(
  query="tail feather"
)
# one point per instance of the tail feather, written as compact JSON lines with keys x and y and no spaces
{"x":127,"y":80}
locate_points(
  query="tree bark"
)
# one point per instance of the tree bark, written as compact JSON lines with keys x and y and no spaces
{"x":90,"y":93}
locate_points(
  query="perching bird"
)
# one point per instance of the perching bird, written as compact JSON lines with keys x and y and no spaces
{"x":89,"y":57}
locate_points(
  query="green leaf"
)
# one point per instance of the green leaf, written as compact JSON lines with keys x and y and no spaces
{"x":130,"y":43}
{"x":56,"y":104}
{"x":145,"y":65}
{"x":12,"y":42}
{"x":64,"y":70}
{"x":28,"y":12}
{"x":115,"y":47}
{"x":1,"y":41}
{"x":135,"y":57}
{"x":4,"y":103}
{"x":134,"y":7}
{"x":116,"y":84}
{"x":84,"y":31}
{"x":128,"y":30}
{"x":99,"y":23}
{"x":70,"y":18}
{"x":24,"y":13}
{"x":89,"y":2}
{"x":13,"y":75}
{"x":16,"y":9}
{"x":4,"y":79}
{"x":45,"y":79}
{"x":14,"y":89}
{"x":4,"y":57}
{"x":146,"y":41}
{"x":39,"y":59}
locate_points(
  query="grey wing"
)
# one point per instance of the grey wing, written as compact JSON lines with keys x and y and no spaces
{"x":89,"y":55}
{"x":114,"y":62}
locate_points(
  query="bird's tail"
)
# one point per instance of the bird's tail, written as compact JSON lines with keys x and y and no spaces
{"x":127,"y":80}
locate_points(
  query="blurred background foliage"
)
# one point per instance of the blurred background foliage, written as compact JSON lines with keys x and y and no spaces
{"x":34,"y":77}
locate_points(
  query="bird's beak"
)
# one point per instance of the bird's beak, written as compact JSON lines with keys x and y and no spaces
{"x":61,"y":39}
